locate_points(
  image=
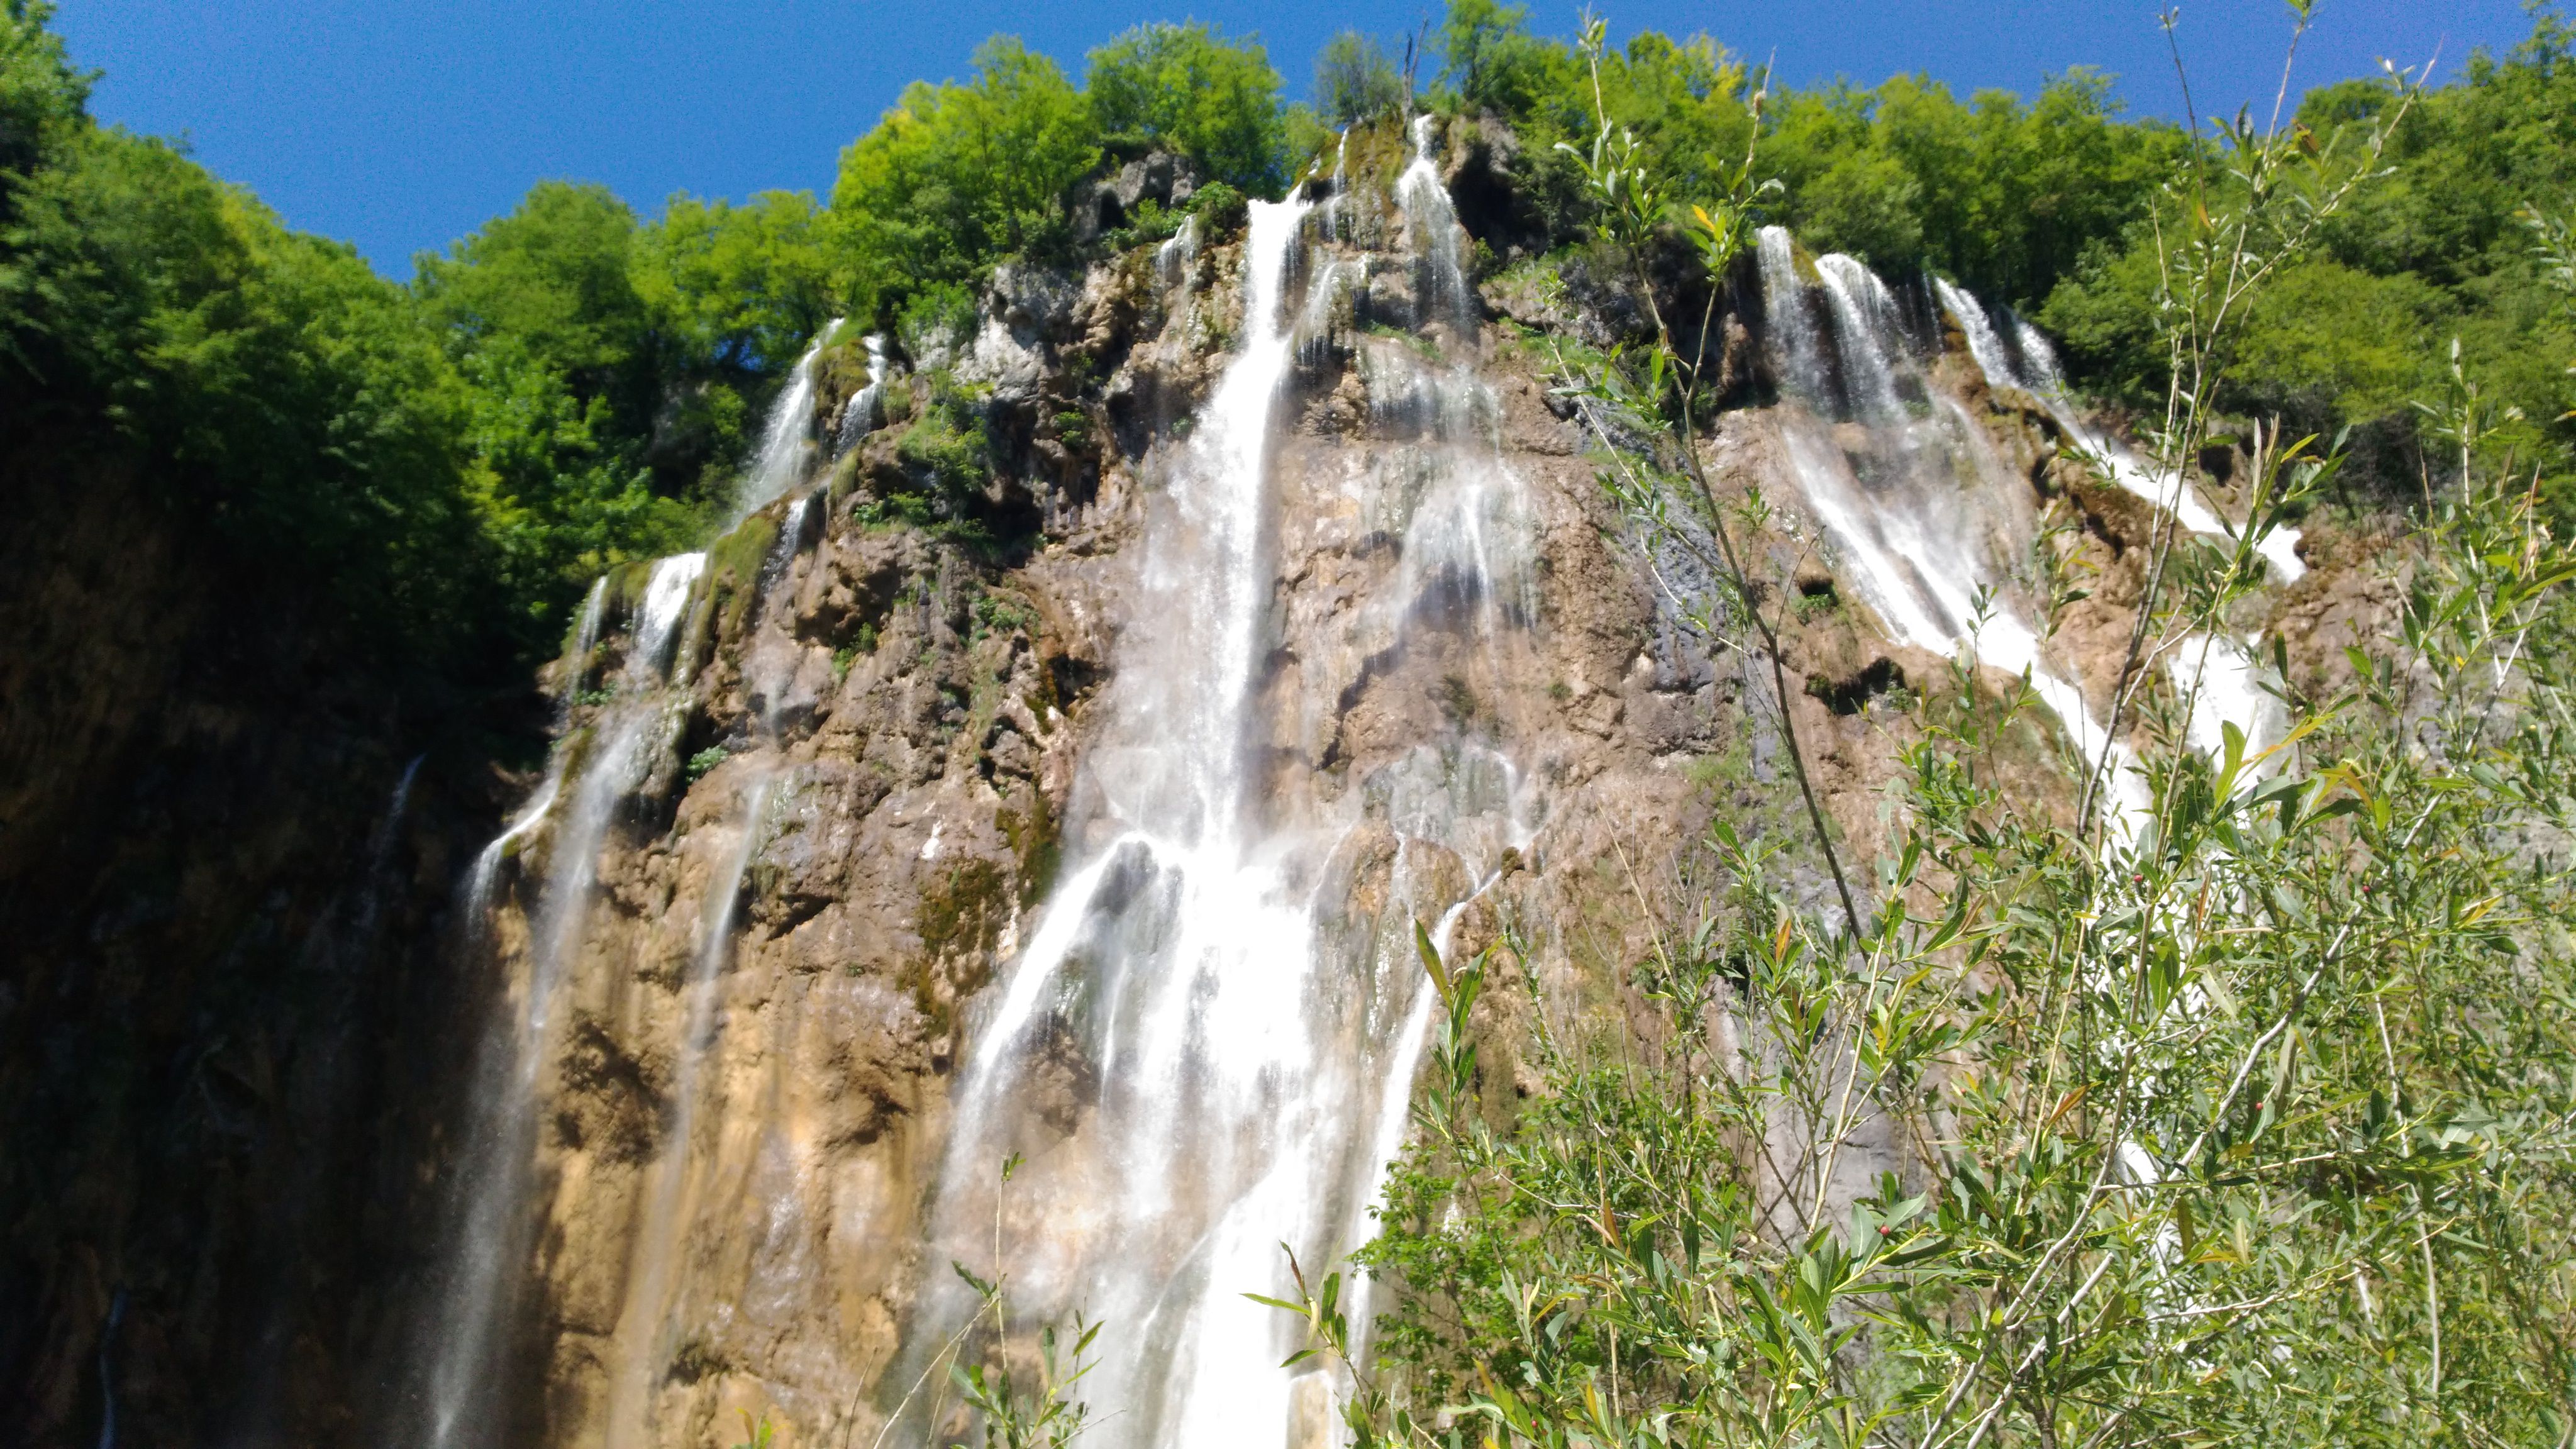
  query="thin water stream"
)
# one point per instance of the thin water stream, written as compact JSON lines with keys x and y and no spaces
{"x":491,"y":1212}
{"x":1911,"y":494}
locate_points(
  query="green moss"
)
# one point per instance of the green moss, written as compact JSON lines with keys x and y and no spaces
{"x":733,"y":570}
{"x":963,"y":908}
{"x":959,"y":918}
{"x":1038,"y":843}
{"x":946,"y":446}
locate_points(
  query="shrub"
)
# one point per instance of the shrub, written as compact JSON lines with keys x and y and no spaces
{"x":957,"y":176}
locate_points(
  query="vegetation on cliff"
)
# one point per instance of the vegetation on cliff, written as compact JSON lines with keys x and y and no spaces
{"x":2250,"y":1125}
{"x":574,"y":385}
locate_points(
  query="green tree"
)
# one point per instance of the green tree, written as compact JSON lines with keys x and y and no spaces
{"x":1354,"y":80}
{"x":41,"y":96}
{"x":556,"y":275}
{"x":1491,"y":61}
{"x":958,"y":176}
{"x":741,"y":288}
{"x":567,"y":372}
{"x":278,"y":391}
{"x":1187,"y":87}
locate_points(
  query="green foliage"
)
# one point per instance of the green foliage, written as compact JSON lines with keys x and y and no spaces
{"x":1041,"y":1416}
{"x":706,"y":760}
{"x":2005,"y":196}
{"x":740,"y":287}
{"x":757,"y":1433}
{"x":2001,"y":195}
{"x":1187,"y":88}
{"x":2326,"y":340}
{"x":1016,"y":1413}
{"x":1310,"y":142}
{"x":280,"y":391}
{"x":1493,"y":62}
{"x":957,"y":176}
{"x":947,"y":442}
{"x":615,"y":369}
{"x":43,"y":100}
{"x":554,"y":275}
{"x":541,"y":314}
{"x":2435,"y":250}
{"x":1355,"y":81}
{"x":936,"y":321}
{"x":1220,"y":206}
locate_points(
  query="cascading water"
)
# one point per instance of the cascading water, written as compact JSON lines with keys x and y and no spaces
{"x":644,"y":1323}
{"x":787,"y":443}
{"x":2031,"y":365}
{"x":1432,"y":225}
{"x":865,"y":411}
{"x":2216,"y":675}
{"x":1242,"y":1043}
{"x":1913,"y":501}
{"x":490,"y":1226}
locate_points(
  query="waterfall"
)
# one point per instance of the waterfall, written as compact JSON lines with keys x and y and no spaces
{"x":490,"y":1215}
{"x":787,"y":440}
{"x":1332,"y":218}
{"x":2219,"y":682}
{"x":1431,"y":224}
{"x":1172,"y":259}
{"x":2217,"y":676}
{"x":1249,"y":1044}
{"x":1911,"y":501}
{"x":865,"y":411}
{"x":2037,"y":374}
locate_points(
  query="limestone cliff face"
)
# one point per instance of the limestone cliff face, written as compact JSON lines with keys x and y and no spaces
{"x":906,"y":726}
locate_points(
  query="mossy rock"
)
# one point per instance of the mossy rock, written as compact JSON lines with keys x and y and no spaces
{"x":1036,"y":841}
{"x":959,"y":918}
{"x":733,"y":570}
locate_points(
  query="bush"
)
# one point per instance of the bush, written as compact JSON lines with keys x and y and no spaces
{"x":935,"y":322}
{"x":284,"y":395}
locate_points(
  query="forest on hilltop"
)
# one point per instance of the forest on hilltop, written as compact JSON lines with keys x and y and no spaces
{"x":575,"y":384}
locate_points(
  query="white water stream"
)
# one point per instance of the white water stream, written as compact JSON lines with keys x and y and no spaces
{"x":1911,"y":492}
{"x":644,"y":1328}
{"x":1201,"y":1050}
{"x":2036,"y":373}
{"x":459,"y":1400}
{"x":2215,"y":675}
{"x":787,"y":444}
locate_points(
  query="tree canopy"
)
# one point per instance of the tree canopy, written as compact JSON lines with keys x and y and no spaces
{"x":575,"y":384}
{"x":1187,"y":88}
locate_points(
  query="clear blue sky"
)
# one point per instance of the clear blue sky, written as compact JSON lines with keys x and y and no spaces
{"x":403,"y":124}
